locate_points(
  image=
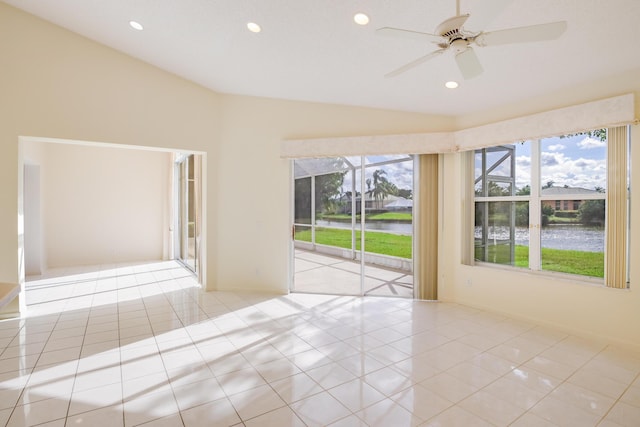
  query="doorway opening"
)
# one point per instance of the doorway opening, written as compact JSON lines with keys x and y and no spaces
{"x":90,"y":205}
{"x":354,"y":225}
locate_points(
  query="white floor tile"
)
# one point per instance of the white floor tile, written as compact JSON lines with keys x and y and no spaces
{"x":350,"y":421}
{"x":388,"y":381}
{"x":449,"y":387}
{"x":149,"y":407}
{"x":95,"y":398}
{"x":319,"y":410}
{"x":174,"y":420}
{"x":239,"y":381}
{"x":356,"y":394}
{"x":472,"y":374}
{"x":491,"y":408}
{"x":296,"y":387}
{"x":277,"y":370}
{"x":142,"y":366}
{"x":632,"y":396}
{"x":142,"y":386}
{"x":219,"y":413}
{"x":530,"y":420}
{"x":421,"y":402}
{"x":417,"y":368}
{"x":197,"y":393}
{"x":456,"y":416}
{"x":583,"y":398}
{"x":331,"y":375}
{"x":5,"y":414}
{"x":154,"y":349}
{"x":38,"y":412}
{"x":514,"y":392}
{"x":97,"y":378}
{"x":550,"y":367}
{"x":387,"y":413}
{"x":563,"y":414}
{"x":624,"y":414}
{"x":311,"y":359}
{"x":256,"y":401}
{"x":277,"y":418}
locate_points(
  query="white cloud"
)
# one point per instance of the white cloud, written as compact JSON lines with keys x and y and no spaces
{"x":563,"y":170}
{"x":589,"y":143}
{"x":552,"y":159}
{"x":584,"y":173}
{"x":556,"y":147}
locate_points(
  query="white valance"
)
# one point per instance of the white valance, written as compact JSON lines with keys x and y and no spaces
{"x":605,"y":113}
{"x":422,"y":143}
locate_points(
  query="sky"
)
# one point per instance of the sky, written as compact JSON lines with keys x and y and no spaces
{"x":577,"y":161}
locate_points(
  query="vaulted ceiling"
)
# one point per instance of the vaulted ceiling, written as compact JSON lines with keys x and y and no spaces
{"x":312,"y":50}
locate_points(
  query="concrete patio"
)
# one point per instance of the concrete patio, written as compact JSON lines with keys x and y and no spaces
{"x":319,"y":273}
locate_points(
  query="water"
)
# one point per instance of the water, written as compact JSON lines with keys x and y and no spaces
{"x":571,"y":237}
{"x":574,"y":237}
{"x":389,"y":227}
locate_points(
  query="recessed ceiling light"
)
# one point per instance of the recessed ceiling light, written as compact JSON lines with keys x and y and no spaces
{"x":253,"y":27}
{"x":361,"y":19}
{"x":451,"y":84}
{"x":136,"y":25}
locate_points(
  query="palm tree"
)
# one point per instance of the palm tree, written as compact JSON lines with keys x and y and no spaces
{"x":381,"y":186}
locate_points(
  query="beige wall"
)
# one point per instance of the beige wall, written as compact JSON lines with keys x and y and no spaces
{"x":57,"y":84}
{"x":583,"y":308}
{"x":101,"y":205}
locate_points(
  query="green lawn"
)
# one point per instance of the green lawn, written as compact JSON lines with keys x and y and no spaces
{"x":379,"y":243}
{"x":564,"y":261}
{"x":391,"y":216}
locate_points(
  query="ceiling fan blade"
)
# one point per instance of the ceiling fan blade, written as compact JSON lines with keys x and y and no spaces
{"x":482,"y":18}
{"x":532,"y":33}
{"x":415,"y":63}
{"x":408,"y":34}
{"x":469,"y":64}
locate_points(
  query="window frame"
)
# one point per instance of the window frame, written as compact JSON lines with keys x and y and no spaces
{"x":535,"y":200}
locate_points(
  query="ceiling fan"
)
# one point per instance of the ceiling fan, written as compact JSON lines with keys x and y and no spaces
{"x":450,"y":35}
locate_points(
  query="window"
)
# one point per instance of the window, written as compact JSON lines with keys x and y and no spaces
{"x":541,"y":204}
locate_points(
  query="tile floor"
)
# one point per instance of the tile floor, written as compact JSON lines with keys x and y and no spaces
{"x":319,"y":273}
{"x":143,"y":345}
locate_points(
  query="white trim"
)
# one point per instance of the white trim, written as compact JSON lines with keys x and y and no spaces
{"x":107,"y":144}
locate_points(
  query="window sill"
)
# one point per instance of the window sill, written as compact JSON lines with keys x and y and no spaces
{"x":564,"y":277}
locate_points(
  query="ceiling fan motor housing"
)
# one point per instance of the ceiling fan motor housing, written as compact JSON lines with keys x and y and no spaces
{"x":451,"y":27}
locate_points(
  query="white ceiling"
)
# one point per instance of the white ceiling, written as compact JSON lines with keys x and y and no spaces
{"x":311,"y":49}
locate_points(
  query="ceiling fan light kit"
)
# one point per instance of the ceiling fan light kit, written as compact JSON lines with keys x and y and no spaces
{"x":450,"y":35}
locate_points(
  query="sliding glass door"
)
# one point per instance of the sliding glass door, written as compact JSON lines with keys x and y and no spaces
{"x":388,"y":226}
{"x":353,"y":225}
{"x":188,"y":226}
